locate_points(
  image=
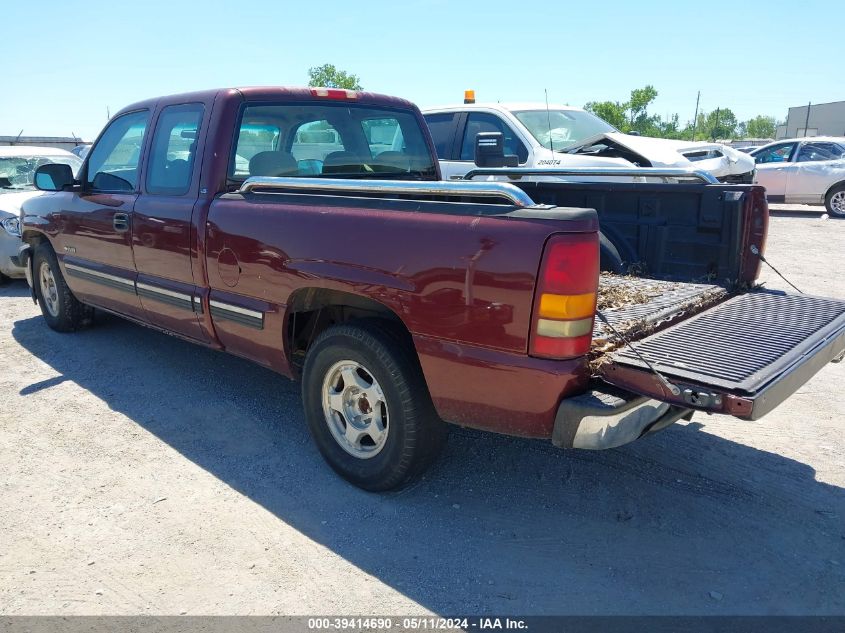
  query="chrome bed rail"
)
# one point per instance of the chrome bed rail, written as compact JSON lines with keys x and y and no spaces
{"x":502,"y":190}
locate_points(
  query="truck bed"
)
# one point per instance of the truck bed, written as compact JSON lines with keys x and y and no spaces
{"x":637,"y":306}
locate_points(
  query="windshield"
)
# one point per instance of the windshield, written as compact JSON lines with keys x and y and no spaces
{"x":18,"y":172}
{"x":559,"y":129}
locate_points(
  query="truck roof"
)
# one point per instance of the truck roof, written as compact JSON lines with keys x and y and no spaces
{"x":508,"y":106}
{"x":272,"y":93}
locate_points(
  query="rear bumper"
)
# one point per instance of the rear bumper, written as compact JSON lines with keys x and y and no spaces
{"x":607,"y":418}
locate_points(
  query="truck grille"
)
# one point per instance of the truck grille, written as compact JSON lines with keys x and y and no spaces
{"x":743,"y":343}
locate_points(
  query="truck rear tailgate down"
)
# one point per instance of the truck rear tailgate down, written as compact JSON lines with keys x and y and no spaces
{"x":742,"y":357}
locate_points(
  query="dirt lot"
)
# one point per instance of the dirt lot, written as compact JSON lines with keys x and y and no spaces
{"x":141,"y":474}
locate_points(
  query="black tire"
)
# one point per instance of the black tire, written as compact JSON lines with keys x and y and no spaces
{"x":4,"y":279}
{"x":70,"y":314}
{"x":415,"y":434}
{"x":828,"y":202}
{"x":609,"y":258}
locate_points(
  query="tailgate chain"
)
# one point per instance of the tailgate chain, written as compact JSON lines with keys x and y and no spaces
{"x":674,"y":389}
{"x":756,"y":251}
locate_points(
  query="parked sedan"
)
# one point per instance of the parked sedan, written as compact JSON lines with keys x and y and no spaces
{"x":804,"y":171}
{"x":17,"y":170}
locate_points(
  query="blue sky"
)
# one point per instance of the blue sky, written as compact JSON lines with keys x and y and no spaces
{"x":69,"y":60}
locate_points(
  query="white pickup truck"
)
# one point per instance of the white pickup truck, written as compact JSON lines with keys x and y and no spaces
{"x":565,"y":137}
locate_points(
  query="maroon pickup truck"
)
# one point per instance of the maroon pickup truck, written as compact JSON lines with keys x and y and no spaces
{"x":308,"y":230}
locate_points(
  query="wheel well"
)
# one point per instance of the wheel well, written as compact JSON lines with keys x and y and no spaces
{"x":35,"y":239}
{"x":313,"y":310}
{"x":835,"y":185}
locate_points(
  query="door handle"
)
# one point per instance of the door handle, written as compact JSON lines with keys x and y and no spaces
{"x":121,"y":222}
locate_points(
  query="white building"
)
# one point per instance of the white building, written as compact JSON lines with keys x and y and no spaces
{"x":825,"y":119}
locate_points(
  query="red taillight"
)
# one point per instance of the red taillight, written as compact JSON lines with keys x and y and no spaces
{"x":334,"y":93}
{"x":565,"y":298}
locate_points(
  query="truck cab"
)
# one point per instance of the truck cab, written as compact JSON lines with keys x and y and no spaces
{"x":557,"y":136}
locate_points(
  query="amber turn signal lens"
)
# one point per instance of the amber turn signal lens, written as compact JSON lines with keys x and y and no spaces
{"x":554,"y":306}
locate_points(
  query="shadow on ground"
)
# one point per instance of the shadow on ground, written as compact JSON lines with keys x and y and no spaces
{"x":680,"y":522}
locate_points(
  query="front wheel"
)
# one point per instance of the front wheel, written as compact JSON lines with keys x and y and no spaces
{"x":62,"y":311}
{"x":835,"y":202}
{"x":368,"y":407}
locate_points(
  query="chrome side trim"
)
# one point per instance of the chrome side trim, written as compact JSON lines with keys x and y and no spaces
{"x":237,"y":314}
{"x":97,"y":273}
{"x":233,"y":308}
{"x":162,"y":291}
{"x":652,"y":172}
{"x":502,"y":190}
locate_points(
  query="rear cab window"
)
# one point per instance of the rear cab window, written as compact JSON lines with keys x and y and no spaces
{"x":173,"y":150}
{"x":306,"y":139}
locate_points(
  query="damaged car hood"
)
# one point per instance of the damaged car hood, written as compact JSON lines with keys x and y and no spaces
{"x":716,"y":158}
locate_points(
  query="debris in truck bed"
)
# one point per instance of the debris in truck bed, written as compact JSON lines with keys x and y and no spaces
{"x":616,"y":291}
{"x":637,"y":306}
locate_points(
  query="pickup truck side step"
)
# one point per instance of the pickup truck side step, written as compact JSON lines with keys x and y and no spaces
{"x":751,"y":351}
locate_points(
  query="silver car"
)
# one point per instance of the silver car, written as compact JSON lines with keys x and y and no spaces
{"x":804,"y":171}
{"x":17,"y":170}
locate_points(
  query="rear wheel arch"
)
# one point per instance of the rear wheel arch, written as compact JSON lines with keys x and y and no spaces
{"x":828,"y":198}
{"x":311,"y":311}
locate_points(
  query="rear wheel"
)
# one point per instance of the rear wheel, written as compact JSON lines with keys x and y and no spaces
{"x":835,"y":202}
{"x":62,"y":311}
{"x":367,"y":405}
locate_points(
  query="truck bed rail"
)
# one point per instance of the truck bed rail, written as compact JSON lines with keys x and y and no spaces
{"x":501,"y":190}
{"x":652,"y":172}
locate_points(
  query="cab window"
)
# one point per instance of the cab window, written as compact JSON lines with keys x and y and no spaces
{"x":483,"y":122}
{"x":173,"y":149}
{"x":776,"y":154}
{"x":113,"y":163}
{"x":819,"y":151}
{"x":310,"y":139}
{"x":315,"y":140}
{"x":442,"y":128}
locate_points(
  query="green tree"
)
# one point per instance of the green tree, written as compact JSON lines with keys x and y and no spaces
{"x":631,"y":115}
{"x":611,"y":111}
{"x":761,"y":127}
{"x":721,"y":123}
{"x":639,"y":119}
{"x":327,"y":76}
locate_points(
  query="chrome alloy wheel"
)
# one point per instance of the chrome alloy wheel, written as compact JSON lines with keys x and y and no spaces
{"x":355,"y":409}
{"x":837,"y":203}
{"x":49,"y":292}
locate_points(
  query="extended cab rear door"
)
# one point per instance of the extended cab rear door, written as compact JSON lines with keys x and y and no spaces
{"x":164,"y":230}
{"x":742,"y":357}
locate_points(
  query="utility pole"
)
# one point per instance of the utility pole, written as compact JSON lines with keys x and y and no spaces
{"x":807,"y":120}
{"x":695,"y":118}
{"x":715,"y":126}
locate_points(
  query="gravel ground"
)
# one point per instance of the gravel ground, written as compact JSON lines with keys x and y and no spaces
{"x":141,"y":474}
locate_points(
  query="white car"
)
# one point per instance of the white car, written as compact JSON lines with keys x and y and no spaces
{"x":563,"y":136}
{"x":804,"y":171}
{"x":17,"y":170}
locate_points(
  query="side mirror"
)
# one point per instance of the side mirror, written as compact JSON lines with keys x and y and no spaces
{"x":53,"y":177}
{"x":490,"y":151}
{"x":633,"y":133}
